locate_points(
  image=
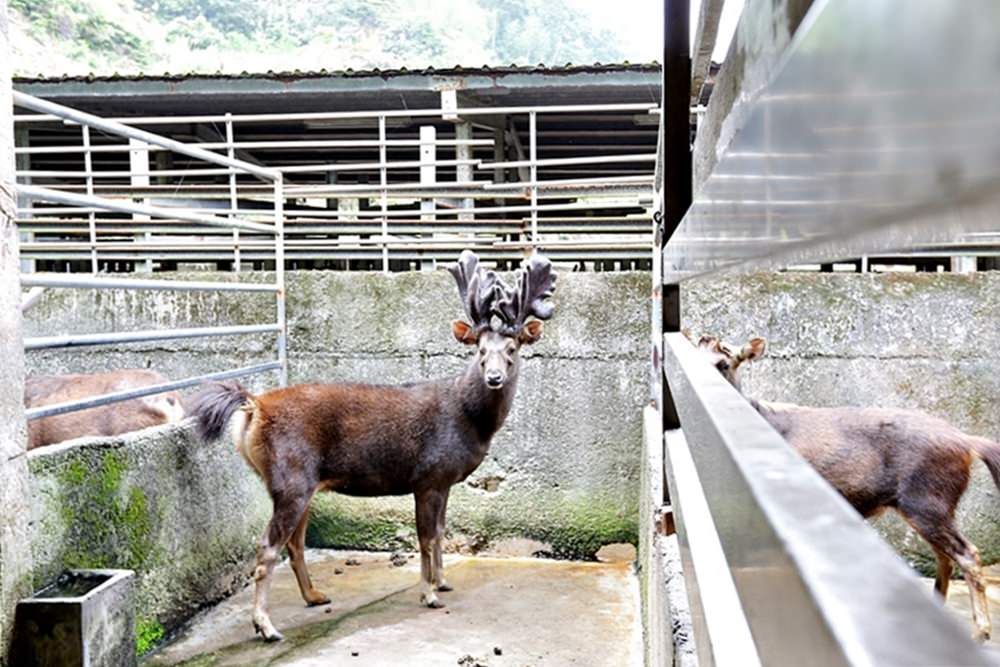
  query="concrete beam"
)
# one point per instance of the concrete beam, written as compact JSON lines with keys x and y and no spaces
{"x":704,"y":44}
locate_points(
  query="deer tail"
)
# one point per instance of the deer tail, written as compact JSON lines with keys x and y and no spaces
{"x":989,"y":452}
{"x":214,"y":405}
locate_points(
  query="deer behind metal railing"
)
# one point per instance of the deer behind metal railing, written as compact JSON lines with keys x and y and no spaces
{"x":882,"y":458}
{"x":376,"y":440}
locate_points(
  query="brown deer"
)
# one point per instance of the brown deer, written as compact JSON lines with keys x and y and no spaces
{"x":881,"y":459}
{"x":104,"y":420}
{"x":376,"y":440}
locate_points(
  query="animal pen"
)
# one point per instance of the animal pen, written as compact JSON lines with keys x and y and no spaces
{"x":835,"y":137}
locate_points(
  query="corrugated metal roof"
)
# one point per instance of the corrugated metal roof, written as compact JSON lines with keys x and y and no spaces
{"x":458,"y":70}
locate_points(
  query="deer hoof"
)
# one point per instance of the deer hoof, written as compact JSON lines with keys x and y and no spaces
{"x":982,"y":635}
{"x":432,"y":601}
{"x":267,"y":632}
{"x":317,"y":599}
{"x":444,"y":587}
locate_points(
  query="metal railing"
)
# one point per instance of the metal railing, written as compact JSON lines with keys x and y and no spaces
{"x":92,"y":204}
{"x":854,"y":146}
{"x":578,"y":218}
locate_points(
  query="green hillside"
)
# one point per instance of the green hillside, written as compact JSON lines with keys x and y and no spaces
{"x":128,"y":36}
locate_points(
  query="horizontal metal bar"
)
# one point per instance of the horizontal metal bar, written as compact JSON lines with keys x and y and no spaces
{"x":83,"y":173}
{"x":353,"y":115}
{"x":365,"y":166}
{"x":561,"y":161}
{"x":80,"y":340}
{"x":118,"y":396}
{"x":256,"y":145}
{"x":816,"y":584}
{"x":721,"y":628}
{"x":101,"y":282}
{"x":113,"y":127}
{"x":882,"y":167}
{"x":607,"y":181}
{"x":100,"y":203}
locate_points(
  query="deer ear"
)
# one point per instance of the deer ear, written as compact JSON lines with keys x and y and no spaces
{"x":753,"y":350}
{"x":531,"y":332}
{"x":463,"y":332}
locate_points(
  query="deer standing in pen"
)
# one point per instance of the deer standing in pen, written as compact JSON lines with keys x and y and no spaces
{"x":375,"y":440}
{"x":881,"y":459}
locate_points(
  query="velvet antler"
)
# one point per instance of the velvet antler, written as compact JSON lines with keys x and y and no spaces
{"x":536,"y":282}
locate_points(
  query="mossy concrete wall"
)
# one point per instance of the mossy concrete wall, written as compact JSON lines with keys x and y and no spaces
{"x":564,"y":470}
{"x":184,"y":515}
{"x":924,"y":341}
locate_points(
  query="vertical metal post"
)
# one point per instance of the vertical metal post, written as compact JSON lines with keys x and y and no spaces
{"x":233,"y":199}
{"x":384,"y":199}
{"x":88,"y":165}
{"x":533,"y":156}
{"x":428,"y":176}
{"x":279,"y":277}
{"x":23,"y":163}
{"x":139,"y":162}
{"x":675,"y":145}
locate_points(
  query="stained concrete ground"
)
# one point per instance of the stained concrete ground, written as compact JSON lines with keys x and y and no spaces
{"x":503,"y":612}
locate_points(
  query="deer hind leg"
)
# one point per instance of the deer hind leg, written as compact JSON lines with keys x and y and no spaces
{"x":939,"y":530}
{"x":296,"y":554}
{"x":944,"y":569}
{"x":428,"y":506}
{"x":288,"y":511}
{"x":437,"y":558}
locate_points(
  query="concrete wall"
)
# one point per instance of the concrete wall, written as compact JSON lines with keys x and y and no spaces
{"x":924,"y":341}
{"x":564,"y":470}
{"x":15,"y":554}
{"x":183,"y":514}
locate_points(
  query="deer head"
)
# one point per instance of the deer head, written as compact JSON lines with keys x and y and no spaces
{"x":727,"y":358}
{"x":499,"y":315}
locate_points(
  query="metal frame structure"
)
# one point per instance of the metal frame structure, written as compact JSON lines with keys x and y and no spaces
{"x":93,"y":203}
{"x":848,"y":143}
{"x":603,"y":218}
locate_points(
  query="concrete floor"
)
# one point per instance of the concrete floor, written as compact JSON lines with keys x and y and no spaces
{"x":533,"y":612}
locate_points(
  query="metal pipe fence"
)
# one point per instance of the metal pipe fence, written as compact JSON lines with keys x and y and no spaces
{"x":92,"y":204}
{"x":778,"y":568}
{"x":479,"y":201}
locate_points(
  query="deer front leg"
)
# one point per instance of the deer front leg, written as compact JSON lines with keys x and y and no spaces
{"x":438,"y":559}
{"x":286,"y":516}
{"x":296,"y":553}
{"x":428,"y":506}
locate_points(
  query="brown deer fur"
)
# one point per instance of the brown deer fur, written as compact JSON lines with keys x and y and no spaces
{"x":104,"y":420}
{"x":374,"y":440}
{"x":879,"y":459}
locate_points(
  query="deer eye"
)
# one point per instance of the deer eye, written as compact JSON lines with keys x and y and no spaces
{"x":723,"y":366}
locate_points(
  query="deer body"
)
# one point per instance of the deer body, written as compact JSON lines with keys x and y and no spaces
{"x":104,"y":420}
{"x":879,"y":459}
{"x":375,"y":440}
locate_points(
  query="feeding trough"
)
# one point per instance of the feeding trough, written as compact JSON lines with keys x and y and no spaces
{"x":85,"y":618}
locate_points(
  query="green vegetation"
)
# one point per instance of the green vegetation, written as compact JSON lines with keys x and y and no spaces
{"x":129,"y":36}
{"x":148,"y":633}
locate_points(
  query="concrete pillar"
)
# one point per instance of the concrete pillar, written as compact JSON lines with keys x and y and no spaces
{"x":138,"y":159}
{"x":15,"y":545}
{"x":963,"y":264}
{"x":23,"y":163}
{"x":428,"y":176}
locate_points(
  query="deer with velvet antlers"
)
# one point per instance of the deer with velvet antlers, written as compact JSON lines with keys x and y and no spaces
{"x":376,"y":440}
{"x":885,"y":458}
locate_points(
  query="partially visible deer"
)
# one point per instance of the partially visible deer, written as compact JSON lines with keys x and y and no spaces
{"x":376,"y":440}
{"x":111,"y":419}
{"x":881,"y":459}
